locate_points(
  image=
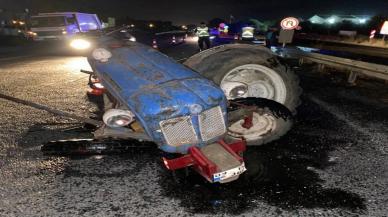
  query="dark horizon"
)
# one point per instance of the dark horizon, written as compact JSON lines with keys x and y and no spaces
{"x":185,"y":12}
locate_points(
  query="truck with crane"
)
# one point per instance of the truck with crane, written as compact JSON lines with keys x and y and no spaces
{"x":62,"y":25}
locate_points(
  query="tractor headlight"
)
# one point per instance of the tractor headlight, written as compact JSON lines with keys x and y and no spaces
{"x":118,"y":117}
{"x":80,"y":44}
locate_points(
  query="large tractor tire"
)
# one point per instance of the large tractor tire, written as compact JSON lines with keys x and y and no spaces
{"x":244,"y":70}
{"x":252,"y":77}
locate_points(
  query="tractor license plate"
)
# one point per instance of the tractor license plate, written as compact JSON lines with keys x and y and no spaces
{"x":217,"y":177}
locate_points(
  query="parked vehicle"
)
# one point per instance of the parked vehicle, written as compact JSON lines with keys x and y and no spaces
{"x":62,"y":25}
{"x":84,"y":43}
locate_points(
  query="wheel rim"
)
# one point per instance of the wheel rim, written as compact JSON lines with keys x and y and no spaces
{"x":260,"y":81}
{"x":262,"y":125}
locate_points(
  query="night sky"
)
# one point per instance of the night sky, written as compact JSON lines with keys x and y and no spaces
{"x":194,"y":11}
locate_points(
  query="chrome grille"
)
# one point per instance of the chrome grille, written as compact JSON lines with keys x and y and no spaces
{"x":179,"y":131}
{"x":211,"y":123}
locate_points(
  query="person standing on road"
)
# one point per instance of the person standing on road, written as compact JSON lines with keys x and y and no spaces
{"x":271,"y":37}
{"x":202,"y":32}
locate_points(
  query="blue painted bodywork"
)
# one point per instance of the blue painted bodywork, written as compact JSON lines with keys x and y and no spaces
{"x":156,"y":88}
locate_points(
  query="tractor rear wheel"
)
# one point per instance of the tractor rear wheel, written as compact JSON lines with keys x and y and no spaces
{"x":257,"y":120}
{"x":253,"y":77}
{"x":248,"y":71}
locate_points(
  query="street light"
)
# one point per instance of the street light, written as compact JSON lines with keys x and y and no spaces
{"x":331,"y":21}
{"x":151,"y":25}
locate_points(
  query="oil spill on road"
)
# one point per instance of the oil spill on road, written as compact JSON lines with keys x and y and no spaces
{"x":282,"y":174}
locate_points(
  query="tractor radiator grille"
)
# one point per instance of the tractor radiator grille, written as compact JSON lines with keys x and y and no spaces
{"x":211,"y":123}
{"x":179,"y":131}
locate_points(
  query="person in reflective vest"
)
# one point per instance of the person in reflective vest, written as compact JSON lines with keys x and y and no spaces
{"x":271,"y":37}
{"x":202,"y":32}
{"x":248,"y":33}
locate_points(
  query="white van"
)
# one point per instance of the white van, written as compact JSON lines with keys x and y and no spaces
{"x":62,"y":25}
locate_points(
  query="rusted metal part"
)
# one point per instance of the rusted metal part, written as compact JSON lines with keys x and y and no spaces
{"x":119,"y":133}
{"x":137,"y":127}
{"x":248,"y":122}
{"x":51,"y":110}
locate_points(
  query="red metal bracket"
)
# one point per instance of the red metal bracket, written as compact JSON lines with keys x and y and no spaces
{"x":179,"y":163}
{"x":235,"y":149}
{"x":201,"y":163}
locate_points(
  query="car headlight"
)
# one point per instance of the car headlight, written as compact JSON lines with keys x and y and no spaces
{"x":80,"y":44}
{"x":31,"y":33}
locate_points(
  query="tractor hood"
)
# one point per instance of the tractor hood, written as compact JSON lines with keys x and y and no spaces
{"x":175,"y":98}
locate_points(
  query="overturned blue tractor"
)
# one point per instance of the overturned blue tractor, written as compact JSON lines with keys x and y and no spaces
{"x":207,"y":110}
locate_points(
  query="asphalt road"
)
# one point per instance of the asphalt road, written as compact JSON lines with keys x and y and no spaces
{"x":334,"y":162}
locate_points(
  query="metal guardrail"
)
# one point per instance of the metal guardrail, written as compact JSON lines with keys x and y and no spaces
{"x":366,"y":42}
{"x":355,"y":67}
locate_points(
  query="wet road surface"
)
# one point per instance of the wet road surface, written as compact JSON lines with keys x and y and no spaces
{"x":334,"y":162}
